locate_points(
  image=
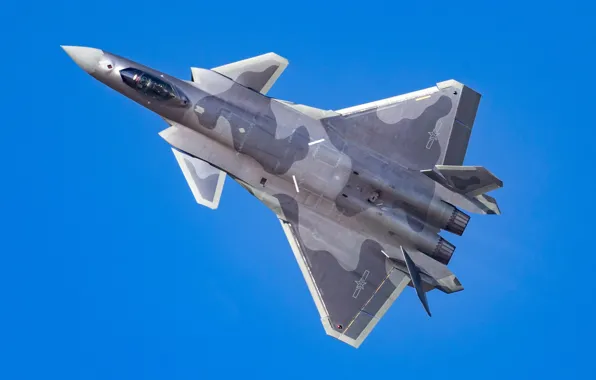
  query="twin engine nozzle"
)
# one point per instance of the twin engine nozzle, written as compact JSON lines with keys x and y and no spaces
{"x":434,"y":245}
{"x":424,"y":206}
{"x":458,"y":222}
{"x":432,"y":211}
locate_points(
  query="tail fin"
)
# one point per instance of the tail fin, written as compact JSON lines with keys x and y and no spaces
{"x":480,"y":204}
{"x":419,"y":130}
{"x":489,"y":204}
{"x":465,"y":187}
{"x":414,"y":274}
{"x":425,"y":274}
{"x":469,"y":180}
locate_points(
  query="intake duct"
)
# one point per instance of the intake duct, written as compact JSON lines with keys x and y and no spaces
{"x":457,"y":222}
{"x":443,"y":251}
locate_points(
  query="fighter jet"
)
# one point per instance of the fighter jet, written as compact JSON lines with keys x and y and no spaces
{"x":362,"y":193}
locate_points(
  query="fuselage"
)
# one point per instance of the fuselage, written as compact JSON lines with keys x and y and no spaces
{"x":274,"y":149}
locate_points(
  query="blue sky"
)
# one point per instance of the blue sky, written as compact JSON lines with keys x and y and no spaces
{"x":110,"y":270}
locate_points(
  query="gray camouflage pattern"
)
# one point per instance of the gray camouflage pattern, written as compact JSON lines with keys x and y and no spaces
{"x":361,"y":193}
{"x":205,"y":181}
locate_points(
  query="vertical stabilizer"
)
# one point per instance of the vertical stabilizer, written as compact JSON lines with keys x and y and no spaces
{"x":414,"y":274}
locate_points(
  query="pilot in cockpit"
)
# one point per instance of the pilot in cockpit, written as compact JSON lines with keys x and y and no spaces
{"x":154,"y":87}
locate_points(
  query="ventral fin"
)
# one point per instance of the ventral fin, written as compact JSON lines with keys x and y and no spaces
{"x":414,"y":274}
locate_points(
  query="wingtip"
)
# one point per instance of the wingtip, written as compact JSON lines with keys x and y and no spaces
{"x":278,"y":57}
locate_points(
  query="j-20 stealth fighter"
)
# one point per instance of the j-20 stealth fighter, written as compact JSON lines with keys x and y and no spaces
{"x":361,"y":193}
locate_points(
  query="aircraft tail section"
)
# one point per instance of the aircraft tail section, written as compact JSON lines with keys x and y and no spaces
{"x":414,"y":274}
{"x":469,"y":180}
{"x":432,"y":274}
{"x":425,"y":274}
{"x":479,"y":204}
{"x":465,"y":187}
{"x":420,"y":129}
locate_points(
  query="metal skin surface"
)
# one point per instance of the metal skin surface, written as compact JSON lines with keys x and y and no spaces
{"x":362,"y":193}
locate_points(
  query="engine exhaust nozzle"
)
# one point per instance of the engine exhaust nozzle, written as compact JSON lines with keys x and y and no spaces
{"x":457,"y":222}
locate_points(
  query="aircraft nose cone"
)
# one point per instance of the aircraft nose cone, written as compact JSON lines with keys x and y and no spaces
{"x":86,"y":57}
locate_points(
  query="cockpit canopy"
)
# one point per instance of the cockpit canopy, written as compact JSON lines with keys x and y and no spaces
{"x":153,"y":87}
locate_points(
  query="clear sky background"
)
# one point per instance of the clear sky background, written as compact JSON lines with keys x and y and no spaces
{"x":110,"y":270}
